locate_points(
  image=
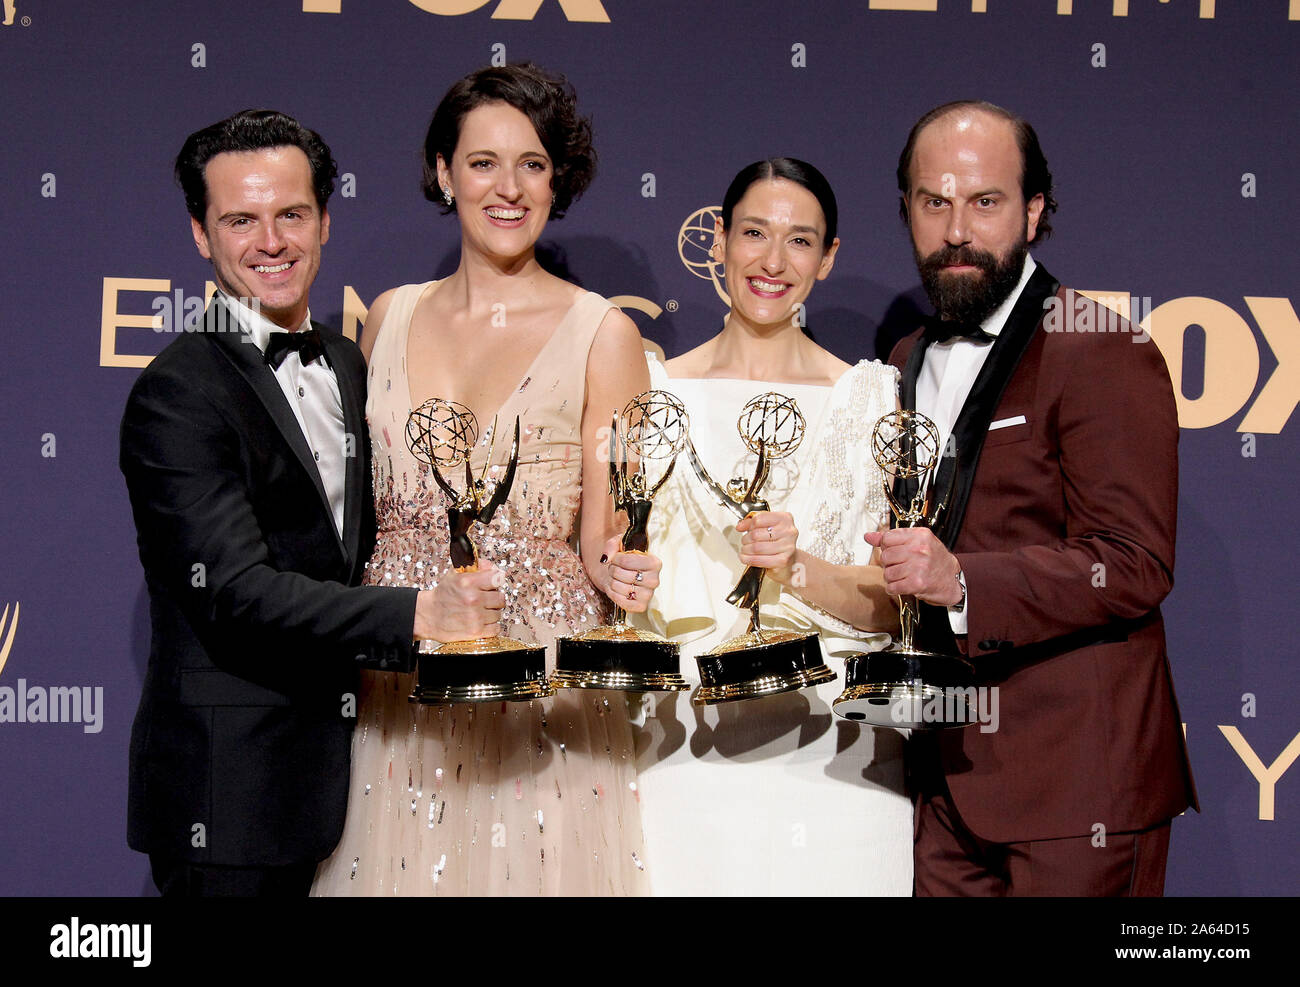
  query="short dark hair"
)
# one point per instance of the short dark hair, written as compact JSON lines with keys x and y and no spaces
{"x":547,"y":100}
{"x":792,"y":170}
{"x":1035,"y":178}
{"x":251,"y":130}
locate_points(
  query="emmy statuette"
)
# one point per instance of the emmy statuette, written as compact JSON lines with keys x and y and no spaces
{"x":758,"y":662}
{"x":902,"y":685}
{"x":442,"y":434}
{"x":653,"y":426}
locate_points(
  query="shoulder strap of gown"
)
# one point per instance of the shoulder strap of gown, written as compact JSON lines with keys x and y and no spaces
{"x":390,"y":344}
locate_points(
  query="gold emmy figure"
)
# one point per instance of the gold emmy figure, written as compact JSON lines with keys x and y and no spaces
{"x":758,"y":662}
{"x":653,"y":426}
{"x":902,"y":685}
{"x":442,"y":434}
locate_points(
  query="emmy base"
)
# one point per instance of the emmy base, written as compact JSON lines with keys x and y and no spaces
{"x":618,"y":657}
{"x":485,"y":670}
{"x":760,"y":663}
{"x":908,"y":688}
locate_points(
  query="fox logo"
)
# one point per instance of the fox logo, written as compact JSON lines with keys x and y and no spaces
{"x":592,"y":11}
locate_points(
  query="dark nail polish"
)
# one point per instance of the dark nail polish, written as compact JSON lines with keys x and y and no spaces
{"x":604,"y":559}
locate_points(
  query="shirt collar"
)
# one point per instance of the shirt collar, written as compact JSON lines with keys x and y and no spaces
{"x":998,"y":318}
{"x":257,"y":325}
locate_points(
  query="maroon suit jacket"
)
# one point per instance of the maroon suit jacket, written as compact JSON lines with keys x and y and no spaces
{"x":1064,"y":526}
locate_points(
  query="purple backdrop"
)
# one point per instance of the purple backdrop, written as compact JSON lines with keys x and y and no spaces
{"x":1170,"y":127}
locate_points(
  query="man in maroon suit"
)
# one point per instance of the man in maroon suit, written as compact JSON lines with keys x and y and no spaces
{"x":1056,"y":548}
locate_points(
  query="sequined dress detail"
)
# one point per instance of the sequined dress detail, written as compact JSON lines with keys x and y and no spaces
{"x":502,"y":798}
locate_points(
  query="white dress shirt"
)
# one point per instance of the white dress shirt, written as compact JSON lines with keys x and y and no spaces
{"x":948,"y":373}
{"x":313,"y":393}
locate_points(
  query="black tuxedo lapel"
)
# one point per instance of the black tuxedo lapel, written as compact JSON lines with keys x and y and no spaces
{"x":912,"y":370}
{"x":354,"y":424}
{"x":905,"y":489}
{"x":970,"y":430}
{"x":222,"y":326}
{"x":972,"y":425}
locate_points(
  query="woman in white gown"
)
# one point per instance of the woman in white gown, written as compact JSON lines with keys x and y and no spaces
{"x":773,"y":795}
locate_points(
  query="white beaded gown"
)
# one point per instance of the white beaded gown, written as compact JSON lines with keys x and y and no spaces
{"x":773,"y":796}
{"x":502,"y":798}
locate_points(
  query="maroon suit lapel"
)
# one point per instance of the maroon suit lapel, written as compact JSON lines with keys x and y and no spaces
{"x":957,"y":472}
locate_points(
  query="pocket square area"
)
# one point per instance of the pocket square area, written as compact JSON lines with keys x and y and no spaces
{"x":1006,"y":422}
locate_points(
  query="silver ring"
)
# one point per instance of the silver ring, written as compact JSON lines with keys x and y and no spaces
{"x":638,"y":577}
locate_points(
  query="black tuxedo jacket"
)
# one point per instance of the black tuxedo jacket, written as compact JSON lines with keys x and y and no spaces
{"x":240,"y":746}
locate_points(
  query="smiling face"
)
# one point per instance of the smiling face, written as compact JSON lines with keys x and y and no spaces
{"x":970,"y":224}
{"x":263,"y":230}
{"x":500,"y":175}
{"x":774,"y":251}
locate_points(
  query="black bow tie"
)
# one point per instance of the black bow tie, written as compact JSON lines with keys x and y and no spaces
{"x":941,"y":330}
{"x":306,"y":341}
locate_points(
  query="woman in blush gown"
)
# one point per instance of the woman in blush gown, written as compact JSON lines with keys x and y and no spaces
{"x":504,"y":798}
{"x":774,"y":795}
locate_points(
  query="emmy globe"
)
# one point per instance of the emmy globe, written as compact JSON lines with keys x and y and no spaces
{"x":442,"y":435}
{"x":758,"y":662}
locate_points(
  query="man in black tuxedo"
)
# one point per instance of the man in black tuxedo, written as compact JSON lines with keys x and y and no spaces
{"x":246,"y":456}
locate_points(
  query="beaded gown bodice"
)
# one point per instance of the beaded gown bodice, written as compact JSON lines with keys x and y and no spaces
{"x":497,"y":798}
{"x":533,"y":532}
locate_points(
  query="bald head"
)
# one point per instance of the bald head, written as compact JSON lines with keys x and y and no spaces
{"x":986,"y":127}
{"x":966,"y":210}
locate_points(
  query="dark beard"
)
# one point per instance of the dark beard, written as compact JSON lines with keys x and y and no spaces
{"x":967,"y":298}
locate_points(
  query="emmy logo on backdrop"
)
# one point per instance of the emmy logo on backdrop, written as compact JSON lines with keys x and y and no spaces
{"x":653,"y":427}
{"x":758,"y":662}
{"x":695,"y":249}
{"x":442,"y":434}
{"x":893,"y":686}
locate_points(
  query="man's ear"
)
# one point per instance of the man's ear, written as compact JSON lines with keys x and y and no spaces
{"x":1033,"y":212}
{"x":324,"y":225}
{"x":200,"y":238}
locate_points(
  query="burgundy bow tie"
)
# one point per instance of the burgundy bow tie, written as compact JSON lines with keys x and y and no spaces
{"x":306,"y":341}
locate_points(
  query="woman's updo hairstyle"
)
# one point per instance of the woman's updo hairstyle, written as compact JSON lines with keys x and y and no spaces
{"x":547,"y":100}
{"x":792,"y":170}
